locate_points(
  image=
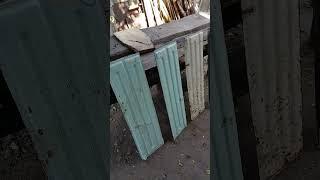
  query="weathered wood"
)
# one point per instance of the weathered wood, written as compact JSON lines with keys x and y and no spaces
{"x":156,"y":12}
{"x":135,"y":39}
{"x":180,"y":8}
{"x":148,"y":58}
{"x":164,"y":11}
{"x":163,"y":33}
{"x":117,"y":49}
{"x":184,"y":26}
{"x":149,"y":13}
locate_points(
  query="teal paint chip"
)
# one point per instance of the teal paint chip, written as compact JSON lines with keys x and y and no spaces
{"x":130,"y":86}
{"x":169,"y":71}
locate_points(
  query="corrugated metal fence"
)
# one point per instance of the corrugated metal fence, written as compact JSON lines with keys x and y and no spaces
{"x":54,"y":64}
{"x":271,"y":31}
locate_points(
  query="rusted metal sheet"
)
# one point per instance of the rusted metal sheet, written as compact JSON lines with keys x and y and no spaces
{"x":54,"y":64}
{"x":224,"y":137}
{"x":129,"y":83}
{"x":271,"y":31}
{"x":170,"y":78}
{"x":195,"y":73}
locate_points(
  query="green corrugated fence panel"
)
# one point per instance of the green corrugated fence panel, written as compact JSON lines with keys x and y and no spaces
{"x":169,"y":72}
{"x":53,"y":60}
{"x":130,"y":86}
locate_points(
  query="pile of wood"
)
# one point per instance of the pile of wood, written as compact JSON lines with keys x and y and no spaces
{"x":126,"y":14}
{"x":176,"y":9}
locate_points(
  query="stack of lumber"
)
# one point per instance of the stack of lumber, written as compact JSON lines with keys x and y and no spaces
{"x":176,"y":9}
{"x":127,"y":14}
{"x":163,"y":11}
{"x":141,"y":14}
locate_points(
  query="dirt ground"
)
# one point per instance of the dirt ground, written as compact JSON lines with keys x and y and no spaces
{"x":186,"y":158}
{"x":18,"y":158}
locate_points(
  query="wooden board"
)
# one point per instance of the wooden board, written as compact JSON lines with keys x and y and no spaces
{"x":148,"y":59}
{"x":135,"y":39}
{"x":157,"y":12}
{"x":164,"y":33}
{"x":149,"y":13}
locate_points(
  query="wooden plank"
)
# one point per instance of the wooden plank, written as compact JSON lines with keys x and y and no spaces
{"x":117,"y":49}
{"x":157,"y":12}
{"x":174,"y":29}
{"x":149,"y":13}
{"x":148,"y":59}
{"x":163,"y":33}
{"x":180,"y":8}
{"x":135,"y":39}
{"x":164,"y":11}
